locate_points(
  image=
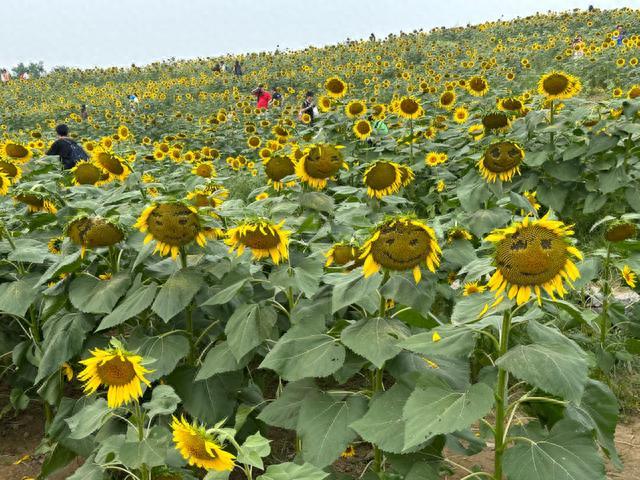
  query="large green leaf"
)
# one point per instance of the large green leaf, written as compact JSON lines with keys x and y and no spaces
{"x":353,"y":289}
{"x":226,"y":294}
{"x":151,"y":451}
{"x":566,"y":453}
{"x":134,"y":303}
{"x":177,"y":293}
{"x":444,"y":341}
{"x":292,"y":471}
{"x":63,"y":339}
{"x":323,"y":425}
{"x":383,"y":425}
{"x":303,"y":352}
{"x":208,"y":400}
{"x":553,"y":363}
{"x":598,"y":411}
{"x":29,"y":250}
{"x":375,"y":339}
{"x":405,"y":292}
{"x":253,"y":450}
{"x":90,"y":417}
{"x":165,"y":351}
{"x":436,"y":410}
{"x":220,"y":359}
{"x":248,"y":327}
{"x":283,"y":411}
{"x":163,"y":401}
{"x":16,"y":297}
{"x":92,"y":295}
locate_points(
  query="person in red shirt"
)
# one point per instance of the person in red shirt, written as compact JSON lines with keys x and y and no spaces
{"x":263,"y":97}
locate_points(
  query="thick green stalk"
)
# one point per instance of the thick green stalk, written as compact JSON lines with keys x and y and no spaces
{"x":501,"y":395}
{"x":144,"y":469}
{"x":606,"y":292}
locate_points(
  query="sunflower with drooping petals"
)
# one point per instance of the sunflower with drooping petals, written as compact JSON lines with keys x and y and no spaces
{"x":400,"y":244}
{"x":341,"y":253}
{"x":121,"y":372}
{"x":501,"y":160}
{"x":34,"y":200}
{"x":87,"y":173}
{"x":533,"y":256}
{"x":93,"y":232}
{"x":55,"y":245}
{"x":110,"y":162}
{"x":382,"y":178}
{"x":496,"y":122}
{"x":406,"y":175}
{"x":204,"y":170}
{"x":320,"y":163}
{"x":278,"y":167}
{"x":15,"y":151}
{"x":199,"y":447}
{"x":5,"y":183}
{"x":263,"y":237}
{"x":458,"y":233}
{"x":11,"y":169}
{"x":558,"y":85}
{"x":172,"y":225}
{"x":629,"y":276}
{"x":620,"y":230}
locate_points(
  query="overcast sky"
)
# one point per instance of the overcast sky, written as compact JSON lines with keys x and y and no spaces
{"x":86,"y":33}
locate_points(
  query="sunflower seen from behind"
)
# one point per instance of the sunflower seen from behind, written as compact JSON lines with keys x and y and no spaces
{"x":121,"y":372}
{"x":401,"y":243}
{"x":11,"y":169}
{"x":199,"y":447}
{"x":262,"y":237}
{"x":532,"y":256}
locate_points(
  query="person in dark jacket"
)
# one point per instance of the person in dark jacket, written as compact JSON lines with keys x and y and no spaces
{"x":308,"y":107}
{"x":66,"y":148}
{"x":237,"y":68}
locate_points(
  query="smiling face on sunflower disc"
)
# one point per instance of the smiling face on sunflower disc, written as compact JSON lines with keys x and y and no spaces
{"x":531,"y":256}
{"x":401,"y":247}
{"x":502,"y":157}
{"x":173,"y":224}
{"x":323,"y":161}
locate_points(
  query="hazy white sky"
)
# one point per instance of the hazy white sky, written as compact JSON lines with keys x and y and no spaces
{"x":85,"y":33}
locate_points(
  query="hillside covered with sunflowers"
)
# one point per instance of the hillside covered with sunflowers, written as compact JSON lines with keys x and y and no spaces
{"x":439,"y":262}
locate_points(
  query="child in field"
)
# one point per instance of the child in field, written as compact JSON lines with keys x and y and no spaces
{"x":263,"y":97}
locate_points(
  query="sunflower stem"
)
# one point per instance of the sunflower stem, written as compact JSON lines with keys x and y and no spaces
{"x":114,"y":260}
{"x":183,"y":257}
{"x":606,"y":291}
{"x":411,"y":139}
{"x":144,"y":469}
{"x":551,"y":134}
{"x":191,"y":359}
{"x":501,"y":396}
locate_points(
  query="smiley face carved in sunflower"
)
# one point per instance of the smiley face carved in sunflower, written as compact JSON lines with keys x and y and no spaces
{"x":320,"y":163}
{"x":501,"y":161}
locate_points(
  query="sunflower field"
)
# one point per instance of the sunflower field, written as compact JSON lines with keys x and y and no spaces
{"x":442,"y":262}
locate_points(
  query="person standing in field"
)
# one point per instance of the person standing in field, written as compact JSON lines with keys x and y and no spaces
{"x":262,"y":96}
{"x":308,"y":107}
{"x":5,"y":76}
{"x":83,"y":111}
{"x":67,"y":149}
{"x":237,"y":69}
{"x":276,"y":96}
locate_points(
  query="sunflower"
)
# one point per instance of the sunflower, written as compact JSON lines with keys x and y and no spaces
{"x":460,"y":115}
{"x":113,"y":164}
{"x":86,"y":173}
{"x":94,"y":232}
{"x":406,"y":175}
{"x":122,"y":372}
{"x":435,"y":158}
{"x":263,"y":237}
{"x":355,"y":108}
{"x":172,"y":225}
{"x":278,"y":167}
{"x":501,"y":160}
{"x":532,"y":197}
{"x":35,"y":201}
{"x":620,"y":230}
{"x":11,"y":170}
{"x":336,"y":88}
{"x":254,"y":142}
{"x":510,"y":104}
{"x":440,"y":186}
{"x":458,"y":233}
{"x":383,"y":178}
{"x":478,"y":86}
{"x":262,"y":196}
{"x":401,"y":243}
{"x":341,"y":253}
{"x":409,"y":107}
{"x":349,"y":452}
{"x":15,"y":151}
{"x":496,"y":121}
{"x":558,"y":85}
{"x":199,"y":447}
{"x":324,"y":103}
{"x":629,"y":276}
{"x":476,"y":131}
{"x":123,"y":132}
{"x":204,"y":170}
{"x":5,"y":182}
{"x":532,"y":255}
{"x":634,"y":92}
{"x":319,"y":163}
{"x":472,"y":287}
{"x":55,"y":245}
{"x":362,"y":129}
{"x":447,"y":100}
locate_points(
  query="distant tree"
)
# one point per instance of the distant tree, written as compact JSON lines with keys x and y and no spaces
{"x":35,"y":70}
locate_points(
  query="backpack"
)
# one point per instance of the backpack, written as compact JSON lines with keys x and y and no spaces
{"x":77,"y":154}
